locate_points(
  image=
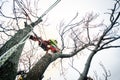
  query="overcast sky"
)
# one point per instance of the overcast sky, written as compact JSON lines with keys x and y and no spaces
{"x":66,"y":10}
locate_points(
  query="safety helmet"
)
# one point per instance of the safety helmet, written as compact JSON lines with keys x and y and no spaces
{"x":53,"y":41}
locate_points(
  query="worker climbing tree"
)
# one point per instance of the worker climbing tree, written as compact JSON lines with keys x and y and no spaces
{"x":46,"y":45}
{"x":10,"y":52}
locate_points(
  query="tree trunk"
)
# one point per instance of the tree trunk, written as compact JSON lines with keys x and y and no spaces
{"x":36,"y":73}
{"x":9,"y":69}
{"x":87,"y":66}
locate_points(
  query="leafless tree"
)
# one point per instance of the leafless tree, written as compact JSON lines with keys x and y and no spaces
{"x":79,"y":32}
{"x":12,"y":44}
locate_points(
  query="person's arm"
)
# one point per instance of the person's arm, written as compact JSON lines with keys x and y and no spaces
{"x":33,"y":38}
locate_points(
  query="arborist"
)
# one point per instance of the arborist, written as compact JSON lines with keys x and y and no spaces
{"x":46,"y":45}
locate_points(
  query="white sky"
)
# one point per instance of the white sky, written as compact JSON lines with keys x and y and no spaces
{"x":66,"y":10}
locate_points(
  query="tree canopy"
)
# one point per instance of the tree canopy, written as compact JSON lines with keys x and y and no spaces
{"x":77,"y":36}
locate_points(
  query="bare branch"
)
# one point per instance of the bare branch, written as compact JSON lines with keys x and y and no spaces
{"x":15,"y":14}
{"x":73,"y":53}
{"x":68,"y":25}
{"x":89,"y":18}
{"x":106,"y":73}
{"x":9,"y":16}
{"x":108,"y":47}
{"x":112,"y":39}
{"x":112,"y":19}
{"x":108,"y":29}
{"x":75,"y":69}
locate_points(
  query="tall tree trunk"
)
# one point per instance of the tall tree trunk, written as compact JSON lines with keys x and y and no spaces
{"x":9,"y":69}
{"x":87,"y":66}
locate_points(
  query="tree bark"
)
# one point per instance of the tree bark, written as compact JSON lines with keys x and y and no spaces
{"x":88,"y":62}
{"x":36,"y":73}
{"x":10,"y":66}
{"x":87,"y":66}
{"x":8,"y":70}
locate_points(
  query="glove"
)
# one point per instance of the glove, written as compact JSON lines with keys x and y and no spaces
{"x":31,"y":37}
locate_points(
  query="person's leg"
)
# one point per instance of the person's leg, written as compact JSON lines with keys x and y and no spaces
{"x":53,"y":49}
